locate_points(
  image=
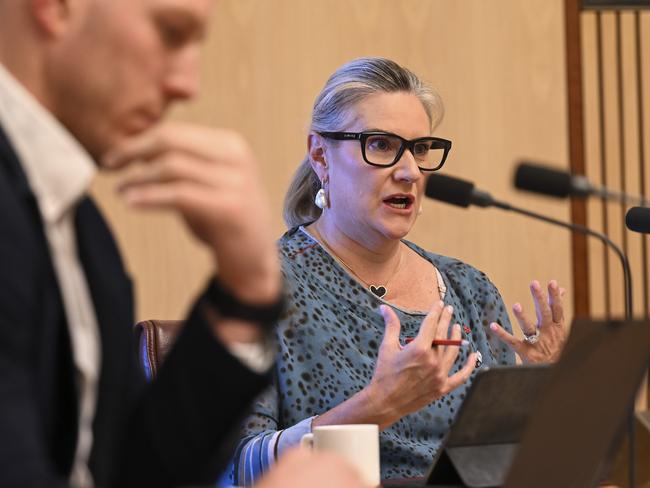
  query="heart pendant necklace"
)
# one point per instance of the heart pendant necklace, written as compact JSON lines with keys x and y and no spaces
{"x":380,"y":291}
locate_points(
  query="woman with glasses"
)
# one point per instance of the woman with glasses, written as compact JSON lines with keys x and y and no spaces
{"x":367,"y":305}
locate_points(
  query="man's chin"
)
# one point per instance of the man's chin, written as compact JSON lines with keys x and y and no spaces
{"x":101,"y":146}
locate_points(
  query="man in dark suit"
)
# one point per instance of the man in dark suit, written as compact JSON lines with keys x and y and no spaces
{"x":86,"y":82}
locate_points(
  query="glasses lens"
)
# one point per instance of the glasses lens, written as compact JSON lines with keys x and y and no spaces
{"x":382,"y":149}
{"x":428,"y":154}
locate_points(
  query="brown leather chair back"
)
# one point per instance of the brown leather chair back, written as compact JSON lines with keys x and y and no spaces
{"x":155,"y":338}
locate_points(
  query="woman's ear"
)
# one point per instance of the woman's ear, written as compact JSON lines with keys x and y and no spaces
{"x":316,"y":150}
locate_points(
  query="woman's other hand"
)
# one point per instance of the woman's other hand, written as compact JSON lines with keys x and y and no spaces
{"x":544,"y":339}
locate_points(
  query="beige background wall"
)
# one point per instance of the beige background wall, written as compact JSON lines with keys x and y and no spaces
{"x":498,"y":64}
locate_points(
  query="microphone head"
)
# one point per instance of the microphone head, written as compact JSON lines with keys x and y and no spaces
{"x":449,"y":189}
{"x":543,"y":179}
{"x":637,"y":219}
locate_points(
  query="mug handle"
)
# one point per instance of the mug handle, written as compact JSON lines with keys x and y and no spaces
{"x":307,"y":440}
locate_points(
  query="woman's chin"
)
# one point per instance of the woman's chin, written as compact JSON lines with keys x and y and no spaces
{"x":396,"y":232}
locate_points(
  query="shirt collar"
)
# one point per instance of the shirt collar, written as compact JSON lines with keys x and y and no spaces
{"x":58,"y":168}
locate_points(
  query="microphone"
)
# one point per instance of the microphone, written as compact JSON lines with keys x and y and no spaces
{"x":637,"y":219}
{"x":456,"y":191}
{"x":538,"y":178}
{"x":463,"y":193}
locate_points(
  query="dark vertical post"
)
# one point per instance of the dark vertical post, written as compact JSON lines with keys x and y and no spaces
{"x":621,"y":128}
{"x":603,"y":157}
{"x":642,"y":171}
{"x":579,"y":253}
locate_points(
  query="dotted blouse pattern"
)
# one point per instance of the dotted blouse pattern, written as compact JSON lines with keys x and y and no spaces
{"x":328,"y":343}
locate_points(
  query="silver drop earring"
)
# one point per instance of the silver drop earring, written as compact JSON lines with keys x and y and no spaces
{"x":321,"y":200}
{"x":420,"y":210}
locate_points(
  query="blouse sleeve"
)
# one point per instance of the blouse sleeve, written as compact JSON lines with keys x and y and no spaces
{"x":495,"y":311}
{"x":262,"y":443}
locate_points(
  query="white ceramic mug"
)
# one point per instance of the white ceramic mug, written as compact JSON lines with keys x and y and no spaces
{"x":357,"y":444}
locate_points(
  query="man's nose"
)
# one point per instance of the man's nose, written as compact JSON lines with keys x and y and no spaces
{"x":182,"y":80}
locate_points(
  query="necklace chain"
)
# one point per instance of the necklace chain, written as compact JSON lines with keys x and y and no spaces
{"x":379,"y":290}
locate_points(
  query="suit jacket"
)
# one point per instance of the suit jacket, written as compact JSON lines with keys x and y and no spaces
{"x":174,"y":431}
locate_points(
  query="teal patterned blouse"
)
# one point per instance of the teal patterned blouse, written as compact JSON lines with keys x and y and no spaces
{"x":328,"y":342}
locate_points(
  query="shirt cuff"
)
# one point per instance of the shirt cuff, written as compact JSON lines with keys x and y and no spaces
{"x":258,"y":356}
{"x":290,"y":437}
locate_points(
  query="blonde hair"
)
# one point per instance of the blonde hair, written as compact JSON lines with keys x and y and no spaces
{"x":350,"y":84}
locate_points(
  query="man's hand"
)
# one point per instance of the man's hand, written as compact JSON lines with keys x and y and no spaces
{"x":301,"y":468}
{"x":209,"y":176}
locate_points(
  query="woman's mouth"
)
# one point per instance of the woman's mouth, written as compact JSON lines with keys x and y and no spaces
{"x":399,"y":202}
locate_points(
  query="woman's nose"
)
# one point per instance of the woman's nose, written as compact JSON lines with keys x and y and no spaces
{"x":406,"y":168}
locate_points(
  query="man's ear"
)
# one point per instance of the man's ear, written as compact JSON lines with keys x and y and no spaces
{"x":316,"y":151}
{"x":51,"y":17}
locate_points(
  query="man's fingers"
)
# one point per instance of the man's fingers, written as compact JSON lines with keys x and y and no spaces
{"x":162,"y":138}
{"x":143,"y":147}
{"x":199,"y":142}
{"x":178,"y":195}
{"x":176,"y":166}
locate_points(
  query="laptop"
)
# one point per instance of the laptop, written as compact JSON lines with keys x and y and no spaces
{"x":536,"y":426}
{"x":479,"y":448}
{"x":579,"y":421}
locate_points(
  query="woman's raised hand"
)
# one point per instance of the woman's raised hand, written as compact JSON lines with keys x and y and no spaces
{"x":409,"y":377}
{"x":544,"y":339}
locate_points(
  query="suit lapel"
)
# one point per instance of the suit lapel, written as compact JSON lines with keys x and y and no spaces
{"x":12,"y":168}
{"x":111,"y":292}
{"x":31,"y":293}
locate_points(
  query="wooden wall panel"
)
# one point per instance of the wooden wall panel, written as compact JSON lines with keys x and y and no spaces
{"x":615,"y":88}
{"x":499,"y":66}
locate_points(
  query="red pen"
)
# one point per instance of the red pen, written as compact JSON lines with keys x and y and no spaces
{"x":443,"y":342}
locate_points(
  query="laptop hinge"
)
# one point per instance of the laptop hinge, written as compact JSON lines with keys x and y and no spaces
{"x":483,"y":466}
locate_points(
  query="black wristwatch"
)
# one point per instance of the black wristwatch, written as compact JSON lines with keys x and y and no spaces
{"x":229,"y":306}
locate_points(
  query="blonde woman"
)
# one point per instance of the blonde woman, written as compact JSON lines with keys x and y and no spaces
{"x":366,"y":304}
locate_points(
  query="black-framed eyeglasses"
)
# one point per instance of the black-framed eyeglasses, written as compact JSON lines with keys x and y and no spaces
{"x":385,"y":148}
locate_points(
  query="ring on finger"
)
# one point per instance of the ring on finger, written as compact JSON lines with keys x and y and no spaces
{"x":532,"y":338}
